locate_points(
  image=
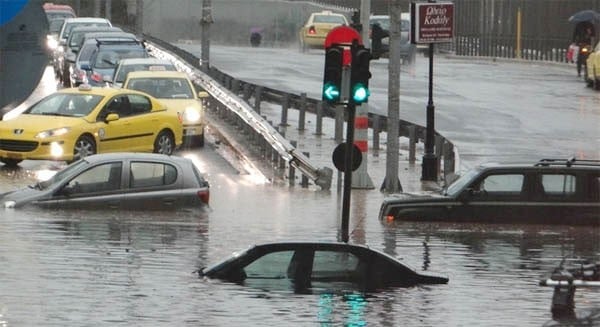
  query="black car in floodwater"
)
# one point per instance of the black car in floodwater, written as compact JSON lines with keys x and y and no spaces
{"x":551,"y":191}
{"x":307,"y":267}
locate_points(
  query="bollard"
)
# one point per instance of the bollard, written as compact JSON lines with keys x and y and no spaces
{"x":302,"y":113}
{"x":285,"y":105}
{"x":304,"y":182}
{"x":448,"y":159}
{"x":235,"y":86}
{"x":319,"y":130}
{"x":439,"y":144}
{"x":412,"y":143}
{"x":246,"y":92}
{"x":257,"y":98}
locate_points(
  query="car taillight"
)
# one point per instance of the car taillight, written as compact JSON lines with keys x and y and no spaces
{"x":203,"y":196}
{"x":80,"y":75}
{"x":584,"y":50}
{"x":96,"y":77}
{"x":180,"y":117}
{"x":312,"y":30}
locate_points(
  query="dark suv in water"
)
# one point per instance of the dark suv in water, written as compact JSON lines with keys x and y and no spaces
{"x":551,"y":191}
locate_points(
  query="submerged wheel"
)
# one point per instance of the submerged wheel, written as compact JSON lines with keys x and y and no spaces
{"x":10,"y":162}
{"x":164,"y":143}
{"x":85,"y":146}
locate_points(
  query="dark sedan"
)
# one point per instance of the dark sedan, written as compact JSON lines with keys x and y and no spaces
{"x":552,"y":191}
{"x":118,"y":181}
{"x":306,"y":267}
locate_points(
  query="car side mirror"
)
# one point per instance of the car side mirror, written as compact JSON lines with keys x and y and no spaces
{"x":111,"y":117}
{"x":70,"y":57}
{"x":62,"y":42}
{"x":86,"y":66}
{"x":203,"y":94}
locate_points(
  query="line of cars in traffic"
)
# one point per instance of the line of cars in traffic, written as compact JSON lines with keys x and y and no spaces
{"x":101,"y":112}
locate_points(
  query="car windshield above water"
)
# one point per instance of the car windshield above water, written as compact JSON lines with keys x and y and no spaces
{"x":65,"y":104}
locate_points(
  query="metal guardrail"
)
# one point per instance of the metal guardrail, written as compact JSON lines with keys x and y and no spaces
{"x":447,"y":154}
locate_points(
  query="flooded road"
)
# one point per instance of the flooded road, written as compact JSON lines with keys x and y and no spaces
{"x":106,"y":268}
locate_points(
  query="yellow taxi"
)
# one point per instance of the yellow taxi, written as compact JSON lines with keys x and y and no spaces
{"x":592,"y":76}
{"x":175,"y":90}
{"x":77,"y":122}
{"x":313,"y":33}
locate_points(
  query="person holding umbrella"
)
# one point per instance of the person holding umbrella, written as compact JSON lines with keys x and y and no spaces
{"x":584,"y":35}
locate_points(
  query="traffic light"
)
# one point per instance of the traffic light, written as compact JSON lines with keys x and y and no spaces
{"x":360,"y":74}
{"x":332,"y":77}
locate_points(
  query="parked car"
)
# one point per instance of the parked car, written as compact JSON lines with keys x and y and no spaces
{"x":318,"y":25}
{"x":118,"y":181}
{"x":551,"y":191}
{"x":109,"y":52}
{"x":177,"y":92}
{"x":63,"y":35}
{"x":74,"y":42}
{"x":126,"y":66}
{"x":306,"y":267}
{"x":407,"y":49}
{"x":73,"y":123}
{"x":592,"y":74}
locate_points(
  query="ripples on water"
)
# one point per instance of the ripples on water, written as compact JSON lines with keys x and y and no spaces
{"x":72,"y":268}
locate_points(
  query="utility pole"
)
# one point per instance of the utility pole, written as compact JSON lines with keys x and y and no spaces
{"x":108,"y":9}
{"x":392,"y":183}
{"x":205,"y":22}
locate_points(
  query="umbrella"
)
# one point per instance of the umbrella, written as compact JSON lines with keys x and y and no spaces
{"x":585,"y":16}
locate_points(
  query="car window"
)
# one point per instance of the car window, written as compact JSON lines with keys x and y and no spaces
{"x":593,"y":181}
{"x":335,"y":265}
{"x":330,"y":19}
{"x":505,"y":183}
{"x":559,"y":184}
{"x":139,"y":104}
{"x":272,"y":265}
{"x":104,"y":177}
{"x":123,"y":70}
{"x":150,"y":174}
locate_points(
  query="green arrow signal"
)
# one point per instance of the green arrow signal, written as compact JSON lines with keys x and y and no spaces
{"x":331,"y":92}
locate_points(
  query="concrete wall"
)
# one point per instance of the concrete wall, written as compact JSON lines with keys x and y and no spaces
{"x":280,"y":20}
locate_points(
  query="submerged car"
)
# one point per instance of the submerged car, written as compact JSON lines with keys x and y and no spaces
{"x":318,"y":25}
{"x":309,"y":266}
{"x":177,"y":92}
{"x":73,"y":123}
{"x":551,"y":191}
{"x":118,"y":181}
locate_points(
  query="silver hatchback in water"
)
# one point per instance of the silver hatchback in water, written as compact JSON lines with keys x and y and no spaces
{"x":138,"y":181}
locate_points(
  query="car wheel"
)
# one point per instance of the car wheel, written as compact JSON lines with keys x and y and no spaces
{"x":85,"y":146}
{"x":10,"y":162}
{"x":164,"y":143}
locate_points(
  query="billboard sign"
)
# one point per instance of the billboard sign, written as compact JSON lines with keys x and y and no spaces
{"x":432,"y":22}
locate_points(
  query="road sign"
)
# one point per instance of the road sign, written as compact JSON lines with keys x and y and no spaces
{"x":339,"y":157}
{"x":432,"y":22}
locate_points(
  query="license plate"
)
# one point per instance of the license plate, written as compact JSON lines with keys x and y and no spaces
{"x":190,"y":131}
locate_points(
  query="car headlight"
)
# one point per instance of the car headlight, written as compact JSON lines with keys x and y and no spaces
{"x":51,"y":43}
{"x":191,"y":114}
{"x":53,"y":132}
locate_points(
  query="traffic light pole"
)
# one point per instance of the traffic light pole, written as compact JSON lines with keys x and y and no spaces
{"x":351,"y":107}
{"x":429,"y":169}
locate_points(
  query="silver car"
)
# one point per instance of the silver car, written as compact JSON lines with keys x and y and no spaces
{"x":133,"y":181}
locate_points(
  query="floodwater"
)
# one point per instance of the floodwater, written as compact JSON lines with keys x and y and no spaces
{"x":106,"y":268}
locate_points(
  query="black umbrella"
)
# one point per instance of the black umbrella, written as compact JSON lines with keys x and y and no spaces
{"x":585,"y":16}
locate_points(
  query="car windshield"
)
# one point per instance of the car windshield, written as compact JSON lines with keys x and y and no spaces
{"x":71,"y":26}
{"x":55,"y":25}
{"x":125,"y":69}
{"x":457,"y":186}
{"x":330,"y":19}
{"x":163,"y":88}
{"x":109,"y":57}
{"x":65,"y":104}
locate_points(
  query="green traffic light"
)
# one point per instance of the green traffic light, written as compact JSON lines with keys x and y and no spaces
{"x":331,"y":92}
{"x":360,"y":93}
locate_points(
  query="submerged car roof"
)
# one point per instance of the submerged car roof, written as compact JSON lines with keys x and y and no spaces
{"x":133,"y":156}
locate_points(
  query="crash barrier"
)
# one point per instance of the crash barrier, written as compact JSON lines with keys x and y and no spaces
{"x":446,"y":152}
